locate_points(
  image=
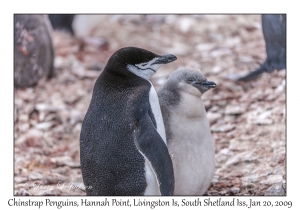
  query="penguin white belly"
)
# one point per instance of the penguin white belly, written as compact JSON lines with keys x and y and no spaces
{"x":193,"y":157}
{"x":151,"y":179}
{"x":154,"y":102}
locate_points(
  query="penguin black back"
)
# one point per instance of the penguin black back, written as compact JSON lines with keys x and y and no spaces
{"x":111,"y":148}
{"x":93,"y":146}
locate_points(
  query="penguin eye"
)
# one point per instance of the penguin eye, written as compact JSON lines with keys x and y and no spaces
{"x":190,"y":80}
{"x":144,"y":64}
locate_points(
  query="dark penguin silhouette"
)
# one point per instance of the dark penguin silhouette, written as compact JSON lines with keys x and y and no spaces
{"x":33,"y":50}
{"x":122,"y":142}
{"x":274,"y":30}
{"x":62,"y":22}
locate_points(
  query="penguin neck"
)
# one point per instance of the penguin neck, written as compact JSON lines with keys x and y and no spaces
{"x":195,"y":105}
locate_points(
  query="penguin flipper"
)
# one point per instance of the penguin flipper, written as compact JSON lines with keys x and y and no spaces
{"x":152,"y":146}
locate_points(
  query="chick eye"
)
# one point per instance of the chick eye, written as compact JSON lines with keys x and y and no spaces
{"x":144,"y":64}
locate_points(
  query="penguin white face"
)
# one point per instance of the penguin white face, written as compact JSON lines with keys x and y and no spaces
{"x":146,"y":70}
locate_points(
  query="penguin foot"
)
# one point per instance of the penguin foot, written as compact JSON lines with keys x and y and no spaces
{"x":253,"y":75}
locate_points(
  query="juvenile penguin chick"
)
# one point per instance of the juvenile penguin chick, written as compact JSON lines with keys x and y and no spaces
{"x":188,"y":133}
{"x":123,"y":147}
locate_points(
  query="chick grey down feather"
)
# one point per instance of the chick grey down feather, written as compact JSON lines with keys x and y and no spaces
{"x":189,"y":138}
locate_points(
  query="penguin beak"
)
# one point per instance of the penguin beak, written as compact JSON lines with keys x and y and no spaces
{"x":165,"y":59}
{"x":209,"y":84}
{"x":204,"y":86}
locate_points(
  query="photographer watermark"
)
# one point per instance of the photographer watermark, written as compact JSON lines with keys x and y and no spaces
{"x":62,"y":185}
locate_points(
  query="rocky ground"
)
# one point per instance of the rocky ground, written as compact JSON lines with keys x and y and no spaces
{"x":248,"y":120}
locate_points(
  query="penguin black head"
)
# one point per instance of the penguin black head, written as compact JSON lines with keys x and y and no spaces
{"x":190,"y":80}
{"x":140,"y":62}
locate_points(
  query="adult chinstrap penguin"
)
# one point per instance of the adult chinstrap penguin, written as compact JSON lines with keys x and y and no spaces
{"x":122,"y":142}
{"x":188,"y":132}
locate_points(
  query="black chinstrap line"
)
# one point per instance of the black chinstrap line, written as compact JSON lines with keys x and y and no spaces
{"x":144,"y":69}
